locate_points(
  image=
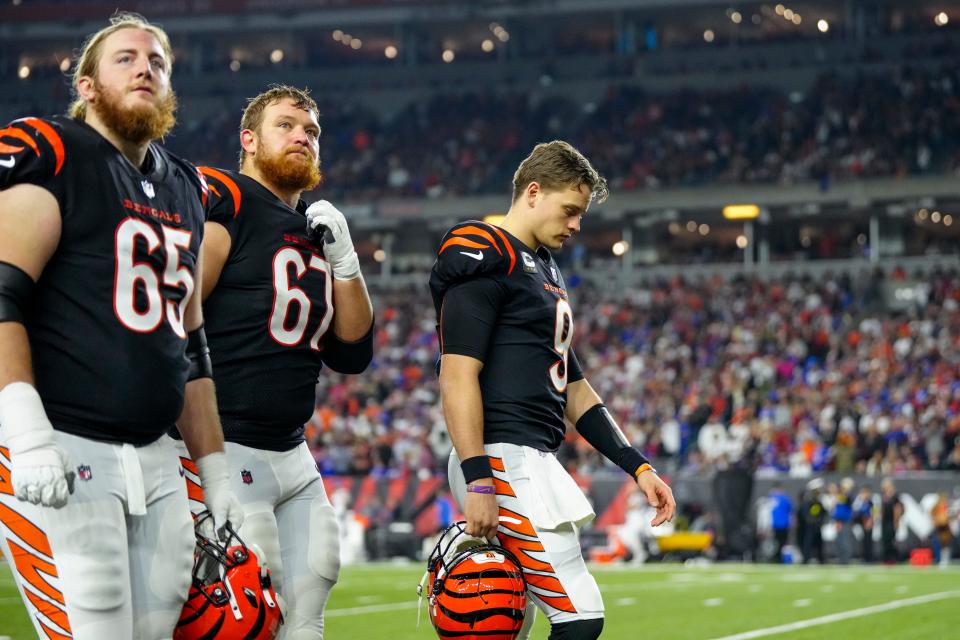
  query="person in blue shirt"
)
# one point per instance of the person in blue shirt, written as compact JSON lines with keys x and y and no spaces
{"x":843,"y":517}
{"x":781,"y":509}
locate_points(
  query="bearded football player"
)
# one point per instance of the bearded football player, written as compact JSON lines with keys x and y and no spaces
{"x":101,"y":350}
{"x":283,"y":296}
{"x":509,"y":378}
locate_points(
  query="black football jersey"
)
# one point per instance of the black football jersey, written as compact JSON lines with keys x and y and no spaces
{"x":505,"y":304}
{"x":106,"y":328}
{"x":267,"y":319}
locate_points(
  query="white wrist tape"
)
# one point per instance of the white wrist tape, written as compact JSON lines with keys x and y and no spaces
{"x":212,"y":469}
{"x":23,"y":419}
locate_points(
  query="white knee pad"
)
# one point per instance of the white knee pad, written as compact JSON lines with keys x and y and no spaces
{"x":323,"y":550}
{"x":93,"y":568}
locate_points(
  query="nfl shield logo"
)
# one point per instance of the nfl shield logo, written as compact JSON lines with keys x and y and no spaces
{"x":246,"y":476}
{"x":84,"y":472}
{"x":148,"y":188}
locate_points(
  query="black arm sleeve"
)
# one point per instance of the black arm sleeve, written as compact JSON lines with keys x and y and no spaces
{"x":599,"y":429}
{"x":16,"y":289}
{"x":348,"y":357}
{"x":468,"y":316}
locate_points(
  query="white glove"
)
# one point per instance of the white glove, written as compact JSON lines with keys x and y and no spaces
{"x":39,"y":468}
{"x":220,"y":499}
{"x":338,"y":248}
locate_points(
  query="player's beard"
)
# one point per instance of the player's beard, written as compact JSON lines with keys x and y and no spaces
{"x":139,"y":124}
{"x":286,"y":173}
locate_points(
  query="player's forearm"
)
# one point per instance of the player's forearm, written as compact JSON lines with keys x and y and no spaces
{"x":15,"y":362}
{"x":463,"y":412}
{"x":353,"y":311}
{"x":199,"y":423}
{"x":580,"y":398}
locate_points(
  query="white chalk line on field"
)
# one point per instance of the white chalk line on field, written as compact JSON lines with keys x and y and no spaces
{"x":843,"y":615}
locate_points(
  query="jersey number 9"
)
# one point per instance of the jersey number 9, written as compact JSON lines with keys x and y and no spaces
{"x":562,"y":337}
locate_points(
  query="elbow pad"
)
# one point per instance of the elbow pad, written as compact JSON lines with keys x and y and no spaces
{"x":198,"y":353}
{"x":348,"y":357}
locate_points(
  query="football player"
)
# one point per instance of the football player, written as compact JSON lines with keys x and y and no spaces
{"x":283,"y":296}
{"x":102,"y":350}
{"x":509,"y":377}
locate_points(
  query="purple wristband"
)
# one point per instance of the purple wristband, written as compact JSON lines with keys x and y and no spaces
{"x":480,"y":488}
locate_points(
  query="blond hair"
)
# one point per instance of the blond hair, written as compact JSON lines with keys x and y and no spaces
{"x":88,"y":61}
{"x":558,"y":165}
{"x":253,"y":112}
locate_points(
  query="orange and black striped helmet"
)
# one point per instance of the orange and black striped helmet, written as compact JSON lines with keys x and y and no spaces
{"x":475,"y":590}
{"x":231,"y":595}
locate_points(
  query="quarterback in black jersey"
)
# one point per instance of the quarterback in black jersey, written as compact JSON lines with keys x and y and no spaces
{"x":509,"y":378}
{"x":283,"y":296}
{"x":100,"y":248}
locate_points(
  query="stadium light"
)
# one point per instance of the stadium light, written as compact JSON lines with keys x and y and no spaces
{"x":780,"y":9}
{"x":620,"y":247}
{"x":24,"y":72}
{"x":390,"y":51}
{"x":947,"y":220}
{"x":788,"y":14}
{"x":448,"y":55}
{"x":379,"y":255}
{"x":797,"y":19}
{"x":356,"y":43}
{"x":234,"y":65}
{"x":736,"y":17}
{"x":337,"y":35}
{"x":276,"y":56}
{"x":741,"y":212}
{"x":691,"y":226}
{"x":704,"y":229}
{"x":487,"y":45}
{"x":823,"y":25}
{"x":935,"y":216}
{"x":942,"y":19}
{"x":742,"y":241}
{"x":708,"y":35}
{"x":65,"y":65}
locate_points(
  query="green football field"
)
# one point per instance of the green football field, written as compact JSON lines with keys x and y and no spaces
{"x":729,"y":601}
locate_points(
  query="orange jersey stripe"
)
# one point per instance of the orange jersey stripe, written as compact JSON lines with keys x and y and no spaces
{"x":7,"y":148}
{"x":496,"y":464}
{"x":52,"y":137}
{"x":56,"y":614}
{"x":477,"y":231}
{"x":524,"y":527}
{"x":30,"y":568}
{"x":20,"y":134}
{"x":462,"y":242}
{"x":189,"y":465}
{"x":194,"y":491}
{"x":53,"y":635}
{"x":228,"y":182}
{"x":506,"y":243}
{"x":503,"y":488}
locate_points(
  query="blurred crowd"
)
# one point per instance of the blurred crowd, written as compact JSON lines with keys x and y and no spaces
{"x":793,"y":375}
{"x":903,"y":123}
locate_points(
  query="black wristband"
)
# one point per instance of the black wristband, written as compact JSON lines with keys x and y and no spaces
{"x":476,"y":468}
{"x":598,"y":428}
